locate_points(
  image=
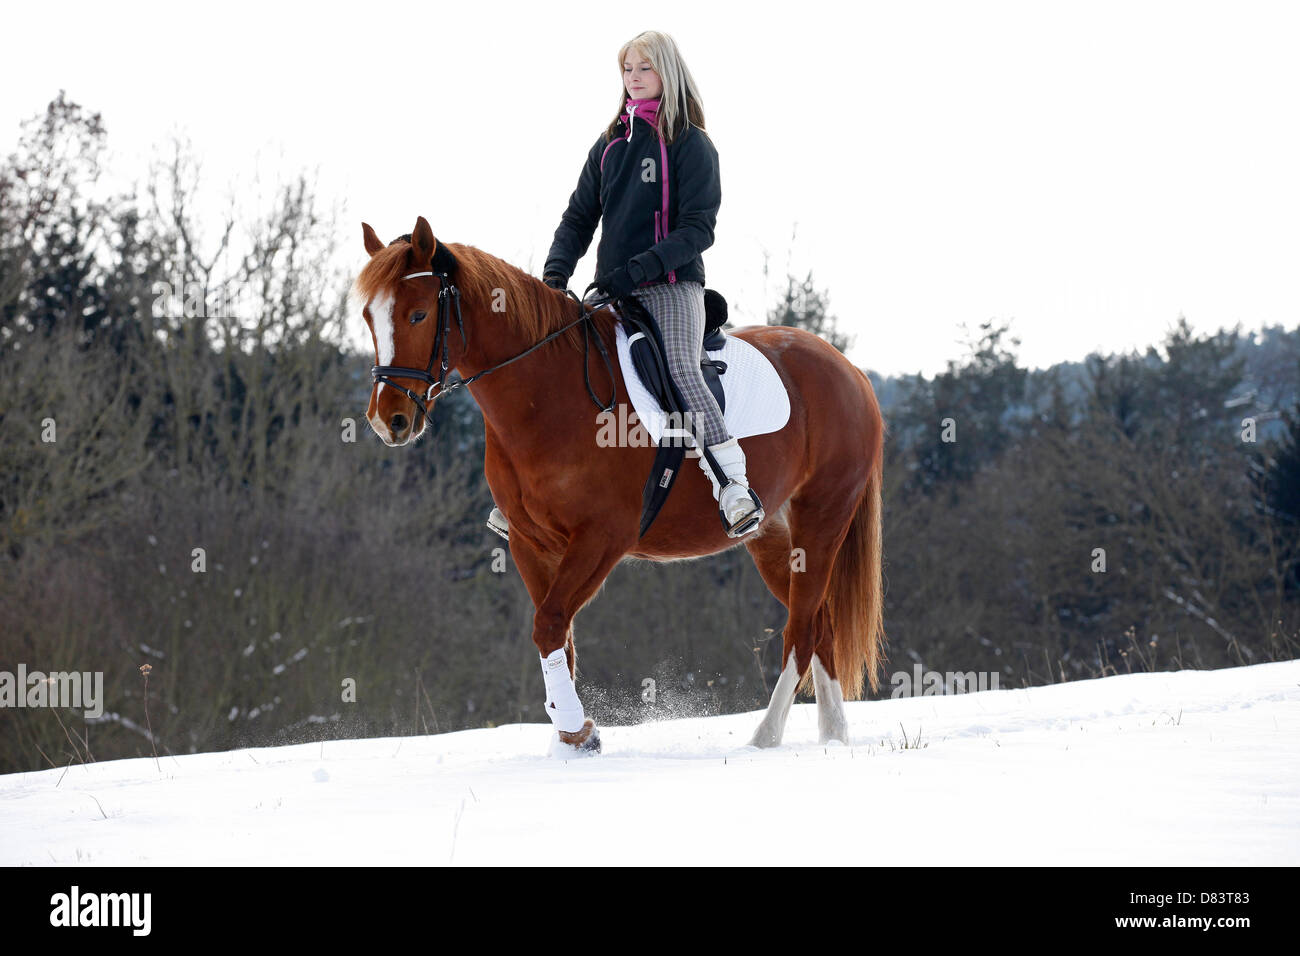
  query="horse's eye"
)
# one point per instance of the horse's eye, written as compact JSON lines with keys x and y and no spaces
{"x":418,"y":316}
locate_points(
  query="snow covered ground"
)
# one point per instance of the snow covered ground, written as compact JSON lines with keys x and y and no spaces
{"x":1194,"y":767}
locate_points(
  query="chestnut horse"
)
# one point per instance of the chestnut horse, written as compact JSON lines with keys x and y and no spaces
{"x":574,"y":506}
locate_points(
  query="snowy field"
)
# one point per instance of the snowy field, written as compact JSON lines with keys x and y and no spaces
{"x":1194,"y":767}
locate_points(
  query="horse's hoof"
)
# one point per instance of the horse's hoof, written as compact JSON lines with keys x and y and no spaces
{"x":578,"y":743}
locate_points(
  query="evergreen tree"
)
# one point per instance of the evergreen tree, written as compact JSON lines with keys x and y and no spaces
{"x":964,"y":417}
{"x":1281,"y":493}
{"x":804,"y":306}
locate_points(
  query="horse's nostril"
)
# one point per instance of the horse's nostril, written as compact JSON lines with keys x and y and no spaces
{"x":398,"y":423}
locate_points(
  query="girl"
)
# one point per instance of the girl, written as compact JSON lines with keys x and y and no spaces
{"x":653,"y":176}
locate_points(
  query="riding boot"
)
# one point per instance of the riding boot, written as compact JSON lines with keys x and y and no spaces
{"x":738,"y":506}
{"x":498,"y":523}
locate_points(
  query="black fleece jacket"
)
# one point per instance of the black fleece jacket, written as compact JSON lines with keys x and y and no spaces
{"x":628,"y":192}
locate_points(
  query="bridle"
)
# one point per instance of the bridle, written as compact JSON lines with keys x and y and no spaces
{"x":449,"y":296}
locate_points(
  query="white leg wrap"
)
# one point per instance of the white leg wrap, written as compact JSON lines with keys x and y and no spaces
{"x":562,"y":704}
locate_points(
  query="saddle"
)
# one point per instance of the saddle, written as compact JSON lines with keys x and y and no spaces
{"x":646,"y":346}
{"x":648,"y":351}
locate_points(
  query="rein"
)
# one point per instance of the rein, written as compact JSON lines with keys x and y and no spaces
{"x":448,"y":295}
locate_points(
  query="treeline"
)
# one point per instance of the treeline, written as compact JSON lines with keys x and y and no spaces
{"x":1135,"y":512}
{"x":187,"y":482}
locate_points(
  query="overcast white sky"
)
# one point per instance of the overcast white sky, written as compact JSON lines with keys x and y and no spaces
{"x":1088,"y":170}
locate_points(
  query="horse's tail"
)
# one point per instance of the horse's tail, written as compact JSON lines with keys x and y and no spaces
{"x":855,"y":594}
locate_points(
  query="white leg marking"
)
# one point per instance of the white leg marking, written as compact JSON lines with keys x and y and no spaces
{"x":831,"y":723}
{"x":772,"y":729}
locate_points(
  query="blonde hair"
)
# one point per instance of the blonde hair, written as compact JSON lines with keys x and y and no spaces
{"x":680,"y":103}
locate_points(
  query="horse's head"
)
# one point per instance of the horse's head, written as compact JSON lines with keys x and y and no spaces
{"x":401,"y":309}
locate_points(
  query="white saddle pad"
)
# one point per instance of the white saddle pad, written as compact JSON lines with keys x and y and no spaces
{"x":757,"y":402}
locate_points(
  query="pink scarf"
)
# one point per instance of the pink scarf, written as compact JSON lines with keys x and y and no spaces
{"x":648,"y":110}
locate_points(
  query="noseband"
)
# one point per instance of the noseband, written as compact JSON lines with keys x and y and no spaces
{"x":448,"y":295}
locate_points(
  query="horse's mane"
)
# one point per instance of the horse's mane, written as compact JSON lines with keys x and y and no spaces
{"x":532,"y":308}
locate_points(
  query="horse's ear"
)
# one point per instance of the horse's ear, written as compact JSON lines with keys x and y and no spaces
{"x":430,"y":250}
{"x":422,"y":242}
{"x":373,"y":244}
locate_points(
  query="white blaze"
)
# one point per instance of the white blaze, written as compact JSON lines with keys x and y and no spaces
{"x":381,"y":317}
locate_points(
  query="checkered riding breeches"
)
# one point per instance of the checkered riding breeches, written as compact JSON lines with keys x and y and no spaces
{"x":678,"y":307}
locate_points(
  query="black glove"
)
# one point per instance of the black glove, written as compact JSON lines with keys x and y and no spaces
{"x":556,"y":282}
{"x":615,"y":284}
{"x":622,"y":280}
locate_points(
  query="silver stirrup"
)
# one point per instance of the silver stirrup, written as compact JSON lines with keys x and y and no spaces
{"x":498,"y":523}
{"x":747,"y":522}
